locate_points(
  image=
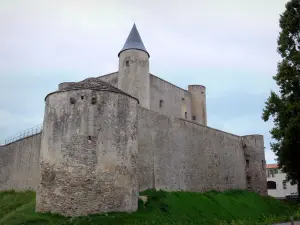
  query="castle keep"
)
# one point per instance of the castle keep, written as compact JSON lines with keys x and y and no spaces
{"x":106,"y":138}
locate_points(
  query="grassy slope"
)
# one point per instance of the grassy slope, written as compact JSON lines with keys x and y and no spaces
{"x":162,"y":208}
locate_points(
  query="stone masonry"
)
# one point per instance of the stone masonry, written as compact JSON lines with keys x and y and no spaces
{"x":89,"y":151}
{"x":107,"y":138}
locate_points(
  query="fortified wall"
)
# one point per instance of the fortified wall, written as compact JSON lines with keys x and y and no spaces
{"x":87,"y":162}
{"x":105,"y":139}
{"x":19,"y":164}
{"x":170,"y":154}
{"x":89,"y":167}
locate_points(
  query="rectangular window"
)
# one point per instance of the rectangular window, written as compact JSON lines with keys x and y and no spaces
{"x":185,"y":115}
{"x":194,"y":117}
{"x":247,"y":163}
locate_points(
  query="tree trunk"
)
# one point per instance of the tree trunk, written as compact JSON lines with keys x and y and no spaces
{"x":298,"y":190}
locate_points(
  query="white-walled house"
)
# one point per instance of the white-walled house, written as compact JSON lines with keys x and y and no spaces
{"x":277,"y":186}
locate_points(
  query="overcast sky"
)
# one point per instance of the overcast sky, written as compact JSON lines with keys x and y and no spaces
{"x":228,"y":46}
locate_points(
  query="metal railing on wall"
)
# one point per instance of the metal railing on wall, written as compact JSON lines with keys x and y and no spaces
{"x":23,"y":134}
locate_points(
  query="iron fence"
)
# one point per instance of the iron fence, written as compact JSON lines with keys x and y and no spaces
{"x":23,"y":134}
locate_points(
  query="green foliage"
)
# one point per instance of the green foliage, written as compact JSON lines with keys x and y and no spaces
{"x":284,"y":107}
{"x":176,"y":208}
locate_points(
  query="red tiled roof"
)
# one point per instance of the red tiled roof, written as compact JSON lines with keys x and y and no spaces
{"x":271,"y":166}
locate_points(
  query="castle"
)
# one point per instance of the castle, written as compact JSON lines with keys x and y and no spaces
{"x":107,"y":138}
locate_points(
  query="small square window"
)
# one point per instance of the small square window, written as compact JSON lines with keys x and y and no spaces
{"x":127,"y":63}
{"x":194,"y":117}
{"x":82,"y":97}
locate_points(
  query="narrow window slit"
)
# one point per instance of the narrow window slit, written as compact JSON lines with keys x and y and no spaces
{"x":161,"y":103}
{"x":94,"y":100}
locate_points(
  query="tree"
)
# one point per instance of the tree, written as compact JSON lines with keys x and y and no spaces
{"x":284,"y":107}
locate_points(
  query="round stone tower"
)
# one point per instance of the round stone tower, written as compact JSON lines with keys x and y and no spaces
{"x":253,"y":146}
{"x":198,"y":103}
{"x":88,"y":151}
{"x":133,"y":75}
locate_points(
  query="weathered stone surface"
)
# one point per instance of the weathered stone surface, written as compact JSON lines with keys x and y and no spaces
{"x":99,"y":148}
{"x":176,"y":101}
{"x":176,"y":154}
{"x":198,"y":93}
{"x":88,"y":154}
{"x":111,"y":78}
{"x":92,"y":83}
{"x":82,"y":161}
{"x":133,"y":76}
{"x":256,"y":169}
{"x":19,"y":164}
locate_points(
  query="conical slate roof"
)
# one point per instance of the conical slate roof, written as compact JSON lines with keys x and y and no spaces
{"x":134,"y":41}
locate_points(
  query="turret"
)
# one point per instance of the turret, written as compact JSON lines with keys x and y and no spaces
{"x":88,"y":151}
{"x":198,"y":103}
{"x":133,"y":75}
{"x":253,"y":146}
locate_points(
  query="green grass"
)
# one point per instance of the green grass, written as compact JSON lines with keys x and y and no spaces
{"x":176,"y":208}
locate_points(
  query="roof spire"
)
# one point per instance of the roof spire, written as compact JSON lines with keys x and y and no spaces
{"x":134,"y":41}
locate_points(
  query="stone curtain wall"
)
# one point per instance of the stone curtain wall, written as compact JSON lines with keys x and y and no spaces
{"x":186,"y":156}
{"x":175,"y":154}
{"x":111,"y":78}
{"x":147,"y":130}
{"x":176,"y":101}
{"x":19,"y":164}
